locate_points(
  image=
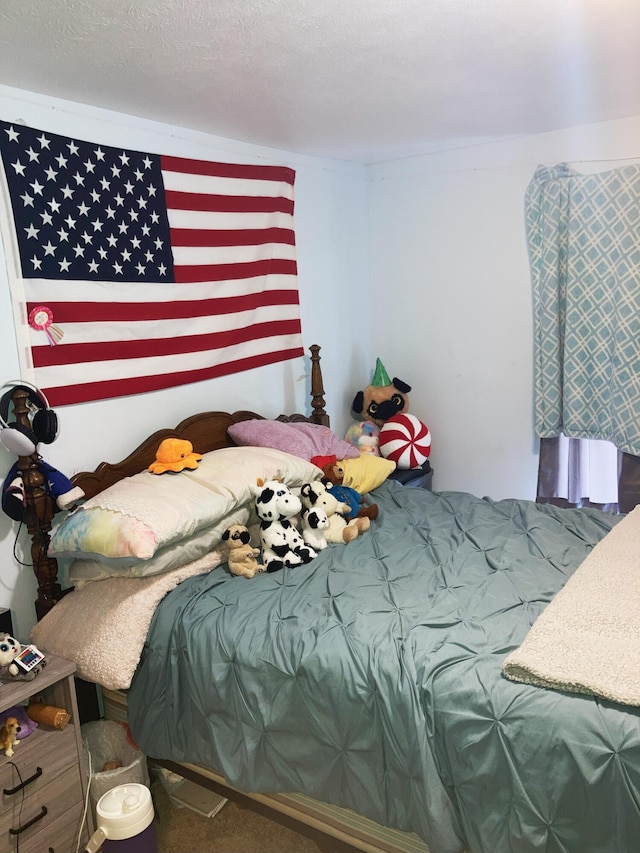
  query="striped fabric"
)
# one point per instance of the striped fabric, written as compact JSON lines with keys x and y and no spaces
{"x":131,"y":272}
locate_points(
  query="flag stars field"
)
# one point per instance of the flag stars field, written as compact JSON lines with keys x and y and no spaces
{"x":156,"y":270}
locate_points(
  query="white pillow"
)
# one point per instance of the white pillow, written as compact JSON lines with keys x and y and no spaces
{"x":144,"y":516}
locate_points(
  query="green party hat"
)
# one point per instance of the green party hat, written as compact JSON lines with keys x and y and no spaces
{"x":380,"y":377}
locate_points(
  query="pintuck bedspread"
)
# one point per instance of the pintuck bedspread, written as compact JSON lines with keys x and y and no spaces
{"x":372,"y":678}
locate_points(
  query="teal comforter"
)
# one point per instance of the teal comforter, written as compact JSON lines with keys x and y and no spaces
{"x":371,"y":679}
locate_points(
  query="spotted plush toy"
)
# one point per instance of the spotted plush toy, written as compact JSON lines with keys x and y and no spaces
{"x":314,"y":524}
{"x":282,"y":545}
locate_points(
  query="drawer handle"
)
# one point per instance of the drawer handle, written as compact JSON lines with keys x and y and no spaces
{"x":33,"y":820}
{"x":9,"y":791}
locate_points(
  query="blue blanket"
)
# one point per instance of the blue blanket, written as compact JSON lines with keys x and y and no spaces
{"x":371,"y":678}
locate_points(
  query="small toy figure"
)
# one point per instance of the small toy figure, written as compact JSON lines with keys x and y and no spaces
{"x":365,"y":436}
{"x":9,"y":670}
{"x":9,"y":735}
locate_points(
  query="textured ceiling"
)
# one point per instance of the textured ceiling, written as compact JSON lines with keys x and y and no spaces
{"x":364,"y":80}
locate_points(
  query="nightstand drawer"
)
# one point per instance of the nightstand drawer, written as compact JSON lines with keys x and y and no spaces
{"x":60,"y":836}
{"x":40,"y":810}
{"x":41,"y":758}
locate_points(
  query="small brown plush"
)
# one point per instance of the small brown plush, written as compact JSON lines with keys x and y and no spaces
{"x":242,"y":558}
{"x":9,"y":735}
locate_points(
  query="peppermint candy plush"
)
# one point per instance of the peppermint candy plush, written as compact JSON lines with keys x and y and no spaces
{"x":405,"y":440}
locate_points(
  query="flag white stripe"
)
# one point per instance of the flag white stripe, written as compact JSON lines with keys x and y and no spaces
{"x":198,"y":255}
{"x":65,"y":375}
{"x":97,"y":332}
{"x":104,"y":241}
{"x":211,"y":185}
{"x":46,"y":291}
{"x":203,"y":220}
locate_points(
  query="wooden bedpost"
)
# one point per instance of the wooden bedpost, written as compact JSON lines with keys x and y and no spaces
{"x":40,"y":512}
{"x":318,"y":415}
{"x":41,"y":506}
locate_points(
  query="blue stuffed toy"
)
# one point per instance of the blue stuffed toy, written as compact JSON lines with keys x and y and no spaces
{"x":61,"y":489}
{"x":333,"y":477}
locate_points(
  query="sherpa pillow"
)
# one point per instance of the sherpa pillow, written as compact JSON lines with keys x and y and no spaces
{"x":146,"y":515}
{"x":302,"y":439}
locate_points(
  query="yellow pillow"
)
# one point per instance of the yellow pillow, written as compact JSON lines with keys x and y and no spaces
{"x":366,"y":472}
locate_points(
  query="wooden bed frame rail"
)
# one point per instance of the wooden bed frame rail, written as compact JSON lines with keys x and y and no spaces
{"x":206,"y":431}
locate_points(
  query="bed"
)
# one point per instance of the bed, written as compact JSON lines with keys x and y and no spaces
{"x":462,"y":676}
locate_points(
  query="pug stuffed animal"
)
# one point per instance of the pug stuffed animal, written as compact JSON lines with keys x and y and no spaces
{"x":383,"y":398}
{"x":243,"y":558}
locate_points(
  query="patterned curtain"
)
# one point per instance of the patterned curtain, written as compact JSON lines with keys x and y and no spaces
{"x":583,"y":233}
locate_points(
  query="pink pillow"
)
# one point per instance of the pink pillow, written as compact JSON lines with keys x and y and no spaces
{"x":299,"y":439}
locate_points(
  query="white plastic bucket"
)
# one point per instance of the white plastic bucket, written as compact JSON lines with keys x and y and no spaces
{"x":125,"y":820}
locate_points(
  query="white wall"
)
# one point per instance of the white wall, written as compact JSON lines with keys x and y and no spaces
{"x":330,"y":221}
{"x":452,"y":295}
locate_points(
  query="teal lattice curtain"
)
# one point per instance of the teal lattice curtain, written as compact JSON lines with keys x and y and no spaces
{"x":583,"y":233}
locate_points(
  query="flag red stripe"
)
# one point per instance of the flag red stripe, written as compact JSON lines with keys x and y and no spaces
{"x":227,"y":170}
{"x":87,"y":312}
{"x":89,"y":391}
{"x":46,"y":356}
{"x":177,"y":200}
{"x":249,"y":237}
{"x":232,"y":272}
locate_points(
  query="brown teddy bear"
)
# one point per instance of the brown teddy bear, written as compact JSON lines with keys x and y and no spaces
{"x":242,"y":559}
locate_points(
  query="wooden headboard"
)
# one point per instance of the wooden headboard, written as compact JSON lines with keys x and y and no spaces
{"x":206,"y":431}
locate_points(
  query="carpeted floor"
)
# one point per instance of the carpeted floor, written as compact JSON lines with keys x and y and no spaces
{"x":233,"y":830}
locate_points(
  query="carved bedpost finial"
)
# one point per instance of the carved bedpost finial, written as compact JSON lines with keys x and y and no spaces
{"x":319,"y":415}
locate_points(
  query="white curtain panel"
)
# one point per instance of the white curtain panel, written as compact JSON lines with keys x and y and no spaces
{"x":587,"y":469}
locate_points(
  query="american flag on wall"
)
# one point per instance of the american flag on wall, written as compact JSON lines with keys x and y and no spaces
{"x":131,"y":272}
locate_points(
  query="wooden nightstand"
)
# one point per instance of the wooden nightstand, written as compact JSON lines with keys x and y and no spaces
{"x":42,"y":787}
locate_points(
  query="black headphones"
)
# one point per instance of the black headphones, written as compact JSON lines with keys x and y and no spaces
{"x":19,"y":439}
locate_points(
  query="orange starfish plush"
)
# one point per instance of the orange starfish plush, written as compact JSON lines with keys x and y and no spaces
{"x":174,"y":454}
